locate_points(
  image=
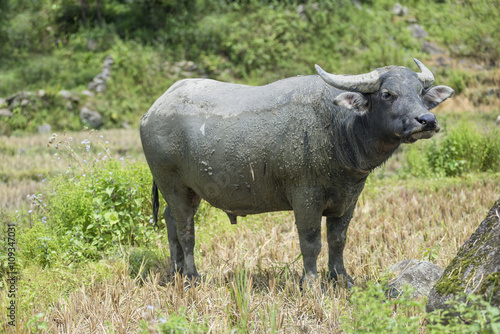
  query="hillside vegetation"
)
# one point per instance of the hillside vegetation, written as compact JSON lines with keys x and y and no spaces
{"x":61,"y":45}
{"x":87,"y":256}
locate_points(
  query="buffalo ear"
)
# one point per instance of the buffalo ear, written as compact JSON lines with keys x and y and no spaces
{"x":435,"y":95}
{"x":352,"y":100}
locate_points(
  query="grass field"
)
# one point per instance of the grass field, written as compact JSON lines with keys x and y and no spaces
{"x":250,"y":272}
{"x":88,"y":259}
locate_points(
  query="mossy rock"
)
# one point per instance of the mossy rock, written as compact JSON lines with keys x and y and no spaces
{"x":475,"y":269}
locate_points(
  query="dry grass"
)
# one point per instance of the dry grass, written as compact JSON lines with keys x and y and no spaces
{"x":26,"y":161}
{"x":250,"y":271}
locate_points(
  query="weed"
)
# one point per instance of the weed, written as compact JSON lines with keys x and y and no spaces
{"x":373,"y":313}
{"x":475,"y":315}
{"x":462,"y":150}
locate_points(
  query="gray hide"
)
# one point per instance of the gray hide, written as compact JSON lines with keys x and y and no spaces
{"x":296,"y":144}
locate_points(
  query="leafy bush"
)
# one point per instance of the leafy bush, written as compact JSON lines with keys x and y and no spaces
{"x":39,"y":246}
{"x":98,"y":204}
{"x":476,"y":316}
{"x":464,"y":149}
{"x":374,"y":313}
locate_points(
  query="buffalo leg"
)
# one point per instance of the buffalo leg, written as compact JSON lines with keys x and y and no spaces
{"x":336,"y":228}
{"x":309,"y":229}
{"x":176,"y":252}
{"x":183,"y":206}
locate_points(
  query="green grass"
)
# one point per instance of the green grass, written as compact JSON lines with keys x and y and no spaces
{"x":270,"y":42}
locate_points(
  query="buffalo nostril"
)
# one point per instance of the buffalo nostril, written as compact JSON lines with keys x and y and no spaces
{"x":427,"y":120}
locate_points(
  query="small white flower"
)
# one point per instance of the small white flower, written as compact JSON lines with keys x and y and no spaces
{"x":162,"y":320}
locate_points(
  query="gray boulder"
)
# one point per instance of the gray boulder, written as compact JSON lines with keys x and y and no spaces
{"x":91,"y":117}
{"x":399,"y":10}
{"x":418,"y":31}
{"x":475,"y":269}
{"x":420,"y":275}
{"x":99,"y":83}
{"x":6,"y":112}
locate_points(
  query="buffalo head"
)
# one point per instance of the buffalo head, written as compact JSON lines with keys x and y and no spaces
{"x":394,"y":97}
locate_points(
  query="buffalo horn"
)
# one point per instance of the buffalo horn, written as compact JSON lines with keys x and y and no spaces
{"x":363,"y":83}
{"x":426,"y":77}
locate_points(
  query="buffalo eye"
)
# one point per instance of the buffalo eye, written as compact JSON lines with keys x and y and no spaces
{"x":386,"y":95}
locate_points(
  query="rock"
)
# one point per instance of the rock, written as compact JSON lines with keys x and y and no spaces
{"x":92,"y":44}
{"x":399,"y":10}
{"x":70,"y":96}
{"x":475,"y":269}
{"x":418,"y":31}
{"x":100,"y":81}
{"x":444,"y":61}
{"x":40,"y":93}
{"x":3,"y":102}
{"x":65,"y":94}
{"x":44,"y":128}
{"x":498,"y":120}
{"x":301,"y":10}
{"x":91,"y":117}
{"x":432,"y":49}
{"x":6,"y":113}
{"x":421,"y":275}
{"x":397,"y":268}
{"x":187,"y":65}
{"x":125,"y":125}
{"x":88,"y":93}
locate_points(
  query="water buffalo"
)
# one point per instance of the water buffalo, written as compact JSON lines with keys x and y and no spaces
{"x":305,"y":144}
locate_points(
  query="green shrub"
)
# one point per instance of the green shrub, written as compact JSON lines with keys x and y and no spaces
{"x":476,"y":316}
{"x":462,"y":150}
{"x":39,"y":245}
{"x":99,"y":204}
{"x":372,"y":312}
{"x":141,"y":262}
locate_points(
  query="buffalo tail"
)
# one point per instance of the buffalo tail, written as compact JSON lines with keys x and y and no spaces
{"x":156,"y":203}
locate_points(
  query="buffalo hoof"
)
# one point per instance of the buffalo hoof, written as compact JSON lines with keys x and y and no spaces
{"x":343,"y":280}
